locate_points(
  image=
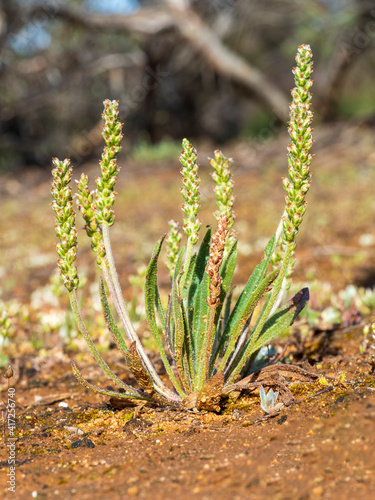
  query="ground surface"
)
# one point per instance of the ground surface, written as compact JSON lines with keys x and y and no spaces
{"x":320,"y":447}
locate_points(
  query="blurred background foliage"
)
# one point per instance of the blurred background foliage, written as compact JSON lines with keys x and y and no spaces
{"x":216,"y":69}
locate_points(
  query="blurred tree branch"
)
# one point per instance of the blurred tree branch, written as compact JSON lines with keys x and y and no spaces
{"x":145,"y":21}
{"x":352,"y":44}
{"x":225,"y":61}
{"x":178,"y":67}
{"x":196,"y":32}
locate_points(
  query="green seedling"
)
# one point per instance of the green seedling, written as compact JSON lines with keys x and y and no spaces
{"x":205,"y":341}
{"x":268,"y":401}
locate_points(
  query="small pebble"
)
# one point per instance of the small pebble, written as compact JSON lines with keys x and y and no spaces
{"x":63,"y":404}
{"x":83,"y":442}
{"x":74,"y":430}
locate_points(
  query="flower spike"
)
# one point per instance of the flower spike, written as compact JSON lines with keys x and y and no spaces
{"x":112,"y":135}
{"x":65,"y":222}
{"x":190,"y":191}
{"x":299,"y":158}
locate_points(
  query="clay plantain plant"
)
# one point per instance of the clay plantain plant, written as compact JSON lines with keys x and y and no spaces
{"x":206,"y":342}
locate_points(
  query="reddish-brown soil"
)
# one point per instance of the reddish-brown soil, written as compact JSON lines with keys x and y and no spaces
{"x":322,"y":446}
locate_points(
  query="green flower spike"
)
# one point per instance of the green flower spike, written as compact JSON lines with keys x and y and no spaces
{"x":191,"y":195}
{"x":86,"y":205}
{"x":173,"y":246}
{"x":112,"y":135}
{"x":65,"y":223}
{"x":224,"y":186}
{"x":190,"y":191}
{"x":299,"y":158}
{"x":296,"y":186}
{"x":224,"y":193}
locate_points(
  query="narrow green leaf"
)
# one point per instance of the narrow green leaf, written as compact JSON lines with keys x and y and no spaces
{"x":110,"y":322}
{"x":168,"y":326}
{"x":266,"y":311}
{"x":279,"y":321}
{"x":160,"y":309}
{"x":283,"y":318}
{"x":269,"y":248}
{"x":228,"y":304}
{"x":227,"y":270}
{"x":179,"y":334}
{"x":199,"y":269}
{"x":175,"y":279}
{"x":242,"y":312}
{"x":189,"y":276}
{"x":152,"y":301}
{"x":199,"y":329}
{"x":255,"y":278}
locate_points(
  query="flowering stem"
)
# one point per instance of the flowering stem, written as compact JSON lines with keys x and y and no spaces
{"x":224,"y":192}
{"x":190,"y":192}
{"x":296,"y":186}
{"x":114,"y":286}
{"x":91,"y":345}
{"x":65,"y":222}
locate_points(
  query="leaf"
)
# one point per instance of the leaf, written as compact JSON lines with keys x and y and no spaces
{"x":227,"y":307}
{"x":269,"y":249}
{"x":199,"y":329}
{"x":251,"y":284}
{"x":179,"y":334}
{"x":168,"y":329}
{"x":220,"y":331}
{"x":242,"y":311}
{"x":152,"y":301}
{"x":135,"y":365}
{"x":110,"y":322}
{"x":199,"y":271}
{"x":227,"y":270}
{"x":175,"y":279}
{"x":282,"y":318}
{"x":159,"y":308}
{"x":276,"y":324}
{"x":152,"y":294}
{"x":189,"y":276}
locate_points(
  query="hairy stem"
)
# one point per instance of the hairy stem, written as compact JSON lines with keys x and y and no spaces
{"x":83,"y":330}
{"x":115,"y":289}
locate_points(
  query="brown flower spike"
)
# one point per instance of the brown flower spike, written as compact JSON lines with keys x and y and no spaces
{"x":215,"y":260}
